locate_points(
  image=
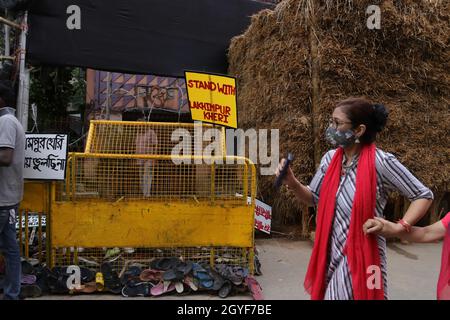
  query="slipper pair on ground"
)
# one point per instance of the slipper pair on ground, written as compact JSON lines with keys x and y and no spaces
{"x":235,"y":274}
{"x":28,"y":265}
{"x":174,"y":269}
{"x":240,"y":279}
{"x":175,"y":278}
{"x":216,"y":281}
{"x":140,"y":283}
{"x":111,"y":281}
{"x":133,"y":285}
{"x":257,"y":264}
{"x":146,"y":289}
{"x":147,"y":283}
{"x":30,"y":291}
{"x":229,"y":279}
{"x":165,"y":275}
{"x":139,"y":288}
{"x":29,"y":288}
{"x":254,"y":287}
{"x":33,"y":280}
{"x":136,"y":289}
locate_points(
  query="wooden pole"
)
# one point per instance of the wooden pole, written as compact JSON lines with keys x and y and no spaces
{"x":315,"y":85}
{"x":24,"y":79}
{"x":108,"y":96}
{"x":6,"y":39}
{"x":9,"y":23}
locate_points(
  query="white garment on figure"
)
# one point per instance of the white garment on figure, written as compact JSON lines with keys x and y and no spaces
{"x":146,"y":144}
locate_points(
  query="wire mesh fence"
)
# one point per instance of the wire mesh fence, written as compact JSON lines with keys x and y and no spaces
{"x":154,"y":178}
{"x":31,"y":232}
{"x":121,"y":258}
{"x":133,"y":162}
{"x":152,"y":138}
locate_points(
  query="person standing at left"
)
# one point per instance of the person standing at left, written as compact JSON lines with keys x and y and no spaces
{"x":12,"y":155}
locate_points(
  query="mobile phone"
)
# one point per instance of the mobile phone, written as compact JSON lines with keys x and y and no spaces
{"x":280,"y":178}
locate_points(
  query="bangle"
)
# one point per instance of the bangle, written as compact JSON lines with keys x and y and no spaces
{"x":405,"y":225}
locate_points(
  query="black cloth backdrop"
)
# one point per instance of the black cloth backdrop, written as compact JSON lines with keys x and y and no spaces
{"x":160,"y":37}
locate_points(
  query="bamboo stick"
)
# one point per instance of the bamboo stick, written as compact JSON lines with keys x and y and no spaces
{"x":9,"y":23}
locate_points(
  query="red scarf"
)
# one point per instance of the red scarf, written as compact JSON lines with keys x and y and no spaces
{"x":443,"y":287}
{"x":361,"y":251}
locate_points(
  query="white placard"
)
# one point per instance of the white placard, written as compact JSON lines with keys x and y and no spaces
{"x":33,"y":221}
{"x":263,"y":216}
{"x":45,"y":156}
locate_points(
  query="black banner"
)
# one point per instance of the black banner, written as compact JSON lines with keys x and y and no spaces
{"x":161,"y":37}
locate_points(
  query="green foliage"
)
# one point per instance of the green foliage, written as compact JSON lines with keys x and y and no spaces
{"x":79,"y":88}
{"x":52,"y":89}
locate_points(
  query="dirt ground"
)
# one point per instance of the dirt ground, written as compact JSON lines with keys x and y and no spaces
{"x":413,"y":271}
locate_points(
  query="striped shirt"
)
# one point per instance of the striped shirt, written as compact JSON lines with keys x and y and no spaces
{"x":391,"y":175}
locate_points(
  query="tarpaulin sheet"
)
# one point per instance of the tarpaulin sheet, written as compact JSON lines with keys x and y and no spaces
{"x":161,"y":37}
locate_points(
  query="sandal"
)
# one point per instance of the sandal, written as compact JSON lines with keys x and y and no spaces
{"x":89,"y":287}
{"x":204,"y":278}
{"x":30,"y":291}
{"x":111,"y":279}
{"x":150,"y":275}
{"x":141,"y":289}
{"x":99,"y":281}
{"x":225,"y":290}
{"x":173,"y":275}
{"x":132,"y":274}
{"x":254,"y":287}
{"x":28,"y":279}
{"x":191,"y":283}
{"x":162,"y":288}
{"x":164,"y":264}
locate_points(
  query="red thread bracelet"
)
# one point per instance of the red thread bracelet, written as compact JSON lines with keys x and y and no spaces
{"x":405,"y":225}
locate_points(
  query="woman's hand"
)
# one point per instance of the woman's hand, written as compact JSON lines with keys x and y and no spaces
{"x":301,"y":192}
{"x":289,"y":179}
{"x":382,"y":227}
{"x":372,"y":226}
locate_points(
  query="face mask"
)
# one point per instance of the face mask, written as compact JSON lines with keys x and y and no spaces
{"x":7,"y":110}
{"x":340,"y":138}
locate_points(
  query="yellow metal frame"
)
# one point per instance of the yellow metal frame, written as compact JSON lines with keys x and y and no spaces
{"x":98,"y":223}
{"x":36,"y":200}
{"x":165,"y":223}
{"x":94,"y":124}
{"x":144,"y":224}
{"x":148,"y":224}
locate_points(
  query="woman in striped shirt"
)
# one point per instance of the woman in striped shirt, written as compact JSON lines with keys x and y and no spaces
{"x":351,"y":186}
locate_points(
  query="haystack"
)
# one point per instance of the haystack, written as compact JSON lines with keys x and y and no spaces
{"x":294,"y":63}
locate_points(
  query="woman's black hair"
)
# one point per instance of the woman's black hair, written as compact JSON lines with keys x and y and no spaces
{"x":361,"y":111}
